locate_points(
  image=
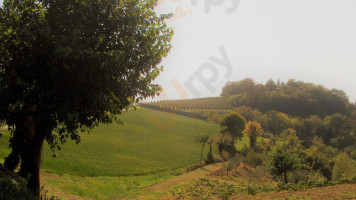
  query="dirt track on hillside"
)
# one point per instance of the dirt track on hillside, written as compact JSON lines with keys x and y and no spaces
{"x":185,"y":178}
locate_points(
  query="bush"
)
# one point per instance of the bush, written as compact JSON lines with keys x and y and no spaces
{"x":344,"y":167}
{"x":300,"y":175}
{"x":255,"y":159}
{"x":213,"y":189}
{"x":13,"y":187}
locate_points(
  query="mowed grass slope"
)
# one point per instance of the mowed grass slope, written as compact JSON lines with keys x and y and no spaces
{"x":149,"y":141}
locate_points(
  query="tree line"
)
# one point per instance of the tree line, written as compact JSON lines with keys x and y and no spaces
{"x":299,"y":152}
{"x":294,"y":98}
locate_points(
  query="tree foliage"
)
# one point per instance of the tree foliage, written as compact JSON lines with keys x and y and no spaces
{"x":344,"y":167}
{"x":231,"y":129}
{"x":285,"y":156}
{"x":294,"y":98}
{"x":253,"y":130}
{"x":233,"y":124}
{"x":68,"y":65}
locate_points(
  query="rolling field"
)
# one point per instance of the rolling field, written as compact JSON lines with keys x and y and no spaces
{"x":208,"y":103}
{"x":149,"y":141}
{"x":115,"y":161}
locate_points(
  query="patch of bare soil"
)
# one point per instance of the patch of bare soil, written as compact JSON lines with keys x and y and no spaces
{"x":240,"y":175}
{"x":187,"y":177}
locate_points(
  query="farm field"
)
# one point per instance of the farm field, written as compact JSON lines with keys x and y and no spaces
{"x":116,"y":160}
{"x":208,"y":103}
{"x":149,"y":141}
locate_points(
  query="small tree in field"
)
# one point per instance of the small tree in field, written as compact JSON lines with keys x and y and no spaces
{"x":282,"y":162}
{"x":253,"y":130}
{"x":285,"y":156}
{"x":68,"y":65}
{"x":205,"y":139}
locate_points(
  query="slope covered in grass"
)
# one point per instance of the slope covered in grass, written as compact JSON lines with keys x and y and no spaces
{"x":149,"y":141}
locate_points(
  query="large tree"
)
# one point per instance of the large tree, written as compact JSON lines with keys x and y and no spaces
{"x":66,"y":66}
{"x":231,"y":127}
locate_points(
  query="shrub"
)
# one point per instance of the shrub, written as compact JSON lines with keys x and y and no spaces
{"x":255,"y":159}
{"x":13,"y":187}
{"x":344,"y":167}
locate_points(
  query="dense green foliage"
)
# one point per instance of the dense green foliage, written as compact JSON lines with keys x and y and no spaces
{"x":13,"y":187}
{"x":285,"y":156}
{"x":232,"y":125}
{"x":294,"y":98}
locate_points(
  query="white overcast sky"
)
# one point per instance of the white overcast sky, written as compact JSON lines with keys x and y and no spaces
{"x":309,"y":40}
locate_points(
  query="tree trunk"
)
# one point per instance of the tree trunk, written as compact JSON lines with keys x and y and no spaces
{"x":253,"y":142}
{"x":285,"y":177}
{"x":17,"y":142}
{"x":202,"y":150}
{"x":34,"y":164}
{"x":210,"y":155}
{"x":27,"y":144}
{"x":26,"y":153}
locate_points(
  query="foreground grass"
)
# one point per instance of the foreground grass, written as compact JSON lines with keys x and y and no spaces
{"x":100,"y":187}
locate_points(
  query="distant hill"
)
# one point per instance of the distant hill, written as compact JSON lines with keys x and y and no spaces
{"x":294,"y":98}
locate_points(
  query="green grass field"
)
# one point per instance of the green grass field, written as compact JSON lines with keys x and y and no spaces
{"x":149,"y":141}
{"x":116,"y":161}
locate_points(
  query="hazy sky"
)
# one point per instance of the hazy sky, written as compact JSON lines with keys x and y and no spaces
{"x":216,"y":41}
{"x":308,"y":40}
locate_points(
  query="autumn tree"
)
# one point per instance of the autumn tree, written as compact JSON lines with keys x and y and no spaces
{"x":67,"y":66}
{"x":253,"y":130}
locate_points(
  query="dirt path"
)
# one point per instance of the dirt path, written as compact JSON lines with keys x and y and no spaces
{"x":184,"y":178}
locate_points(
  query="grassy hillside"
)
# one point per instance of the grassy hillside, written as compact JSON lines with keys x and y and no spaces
{"x":104,"y":164}
{"x":149,"y":141}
